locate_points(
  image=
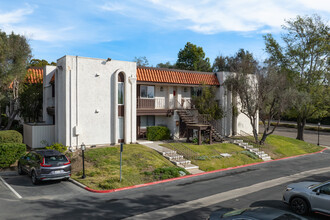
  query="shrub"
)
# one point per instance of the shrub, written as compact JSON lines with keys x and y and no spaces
{"x":202,"y":157}
{"x":11,"y":136}
{"x":57,"y":146}
{"x":10,"y":152}
{"x":167,"y":172}
{"x":155,"y":133}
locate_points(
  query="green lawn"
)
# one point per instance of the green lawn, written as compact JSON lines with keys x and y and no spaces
{"x":102,"y":166}
{"x":279,"y":147}
{"x":208,"y":158}
{"x":142,"y":164}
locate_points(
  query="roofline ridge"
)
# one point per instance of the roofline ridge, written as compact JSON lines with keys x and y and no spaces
{"x":176,"y":70}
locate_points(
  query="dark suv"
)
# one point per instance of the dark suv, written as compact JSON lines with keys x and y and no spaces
{"x":45,"y":165}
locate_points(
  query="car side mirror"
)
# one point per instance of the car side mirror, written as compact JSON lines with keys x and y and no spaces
{"x":318,"y":191}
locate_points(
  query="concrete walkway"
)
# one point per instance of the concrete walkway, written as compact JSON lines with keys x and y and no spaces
{"x":156,"y":145}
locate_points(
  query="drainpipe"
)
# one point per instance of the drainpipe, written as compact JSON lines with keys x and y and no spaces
{"x":77,"y":100}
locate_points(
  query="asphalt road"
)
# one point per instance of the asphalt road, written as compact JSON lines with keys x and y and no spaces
{"x":190,"y":198}
{"x":309,"y":136}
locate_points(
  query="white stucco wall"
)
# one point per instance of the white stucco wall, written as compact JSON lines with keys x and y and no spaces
{"x":86,"y":101}
{"x":48,"y":100}
{"x":225,"y":97}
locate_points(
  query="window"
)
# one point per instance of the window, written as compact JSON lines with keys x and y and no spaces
{"x":196,"y":91}
{"x":121,"y":127}
{"x":146,"y":121}
{"x":147,"y":91}
{"x":120,"y":93}
{"x":325,"y":189}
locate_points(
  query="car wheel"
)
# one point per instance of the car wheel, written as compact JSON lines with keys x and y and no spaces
{"x":299,"y":206}
{"x":34,"y":178}
{"x":19,"y":169}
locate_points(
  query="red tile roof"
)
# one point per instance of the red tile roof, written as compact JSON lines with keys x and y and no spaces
{"x":150,"y":74}
{"x":33,"y":75}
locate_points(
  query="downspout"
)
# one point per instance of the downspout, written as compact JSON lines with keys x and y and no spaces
{"x":70,"y":101}
{"x":77,"y":100}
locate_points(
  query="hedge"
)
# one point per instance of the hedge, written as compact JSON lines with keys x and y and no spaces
{"x":10,"y":136}
{"x":57,"y":146}
{"x":155,"y":133}
{"x":10,"y":152}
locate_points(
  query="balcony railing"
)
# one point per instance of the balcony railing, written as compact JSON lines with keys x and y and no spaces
{"x":162,"y":103}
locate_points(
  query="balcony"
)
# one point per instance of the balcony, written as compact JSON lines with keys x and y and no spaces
{"x":161,"y":106}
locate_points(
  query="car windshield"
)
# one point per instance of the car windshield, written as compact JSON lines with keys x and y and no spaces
{"x":316,"y":185}
{"x":55,"y":160}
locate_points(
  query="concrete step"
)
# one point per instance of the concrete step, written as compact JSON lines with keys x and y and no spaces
{"x":174,"y":157}
{"x":195,"y":171}
{"x":266,"y":158}
{"x":169,"y":153}
{"x":183,"y":162}
{"x":188,"y":167}
{"x":237,"y":141}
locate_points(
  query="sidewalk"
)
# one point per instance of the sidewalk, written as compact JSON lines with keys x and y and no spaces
{"x":307,"y":124}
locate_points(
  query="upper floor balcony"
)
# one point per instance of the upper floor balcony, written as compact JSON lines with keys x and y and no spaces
{"x":161,"y":105}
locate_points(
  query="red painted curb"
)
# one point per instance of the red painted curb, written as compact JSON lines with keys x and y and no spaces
{"x":193,"y":175}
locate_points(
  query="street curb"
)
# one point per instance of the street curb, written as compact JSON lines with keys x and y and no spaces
{"x":77,"y":183}
{"x":184,"y":177}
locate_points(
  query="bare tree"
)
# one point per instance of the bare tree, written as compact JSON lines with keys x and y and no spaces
{"x":261,"y":92}
{"x":273,"y":98}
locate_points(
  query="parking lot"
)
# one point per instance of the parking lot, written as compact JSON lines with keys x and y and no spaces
{"x":16,"y":186}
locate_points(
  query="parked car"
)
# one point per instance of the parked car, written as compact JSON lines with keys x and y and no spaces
{"x":44,"y":165}
{"x":304,"y":197}
{"x":256,"y":213}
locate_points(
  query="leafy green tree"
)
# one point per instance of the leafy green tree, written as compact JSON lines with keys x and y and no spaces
{"x":305,"y":59}
{"x":206,"y":102}
{"x":192,"y":57}
{"x":166,"y":65}
{"x":40,"y":63}
{"x":31,"y":99}
{"x":15,"y":54}
{"x":141,"y":61}
{"x":222,"y":63}
{"x":274,"y":98}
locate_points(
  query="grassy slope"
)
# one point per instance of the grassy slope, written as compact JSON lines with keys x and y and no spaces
{"x":284,"y":147}
{"x":210,"y":163}
{"x":102,"y":167}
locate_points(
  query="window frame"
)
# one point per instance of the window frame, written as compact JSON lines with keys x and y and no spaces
{"x":147,"y":91}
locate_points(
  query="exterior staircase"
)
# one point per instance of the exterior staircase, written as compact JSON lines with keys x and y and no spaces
{"x":261,"y":154}
{"x":178,"y":160}
{"x":188,"y":118}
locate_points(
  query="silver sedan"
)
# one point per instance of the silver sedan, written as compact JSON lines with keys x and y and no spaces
{"x":304,"y":197}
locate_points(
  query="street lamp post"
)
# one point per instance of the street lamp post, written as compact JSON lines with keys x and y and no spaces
{"x":318,"y":134}
{"x":83,"y":148}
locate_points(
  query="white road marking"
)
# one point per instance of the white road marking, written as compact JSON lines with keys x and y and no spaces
{"x":224,"y":196}
{"x":11,"y":188}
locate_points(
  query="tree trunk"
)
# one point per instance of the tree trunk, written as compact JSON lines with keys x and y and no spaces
{"x":10,"y":120}
{"x":301,"y":122}
{"x":234,"y":113}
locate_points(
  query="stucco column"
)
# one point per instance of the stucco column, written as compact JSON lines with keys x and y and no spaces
{"x":133,"y":97}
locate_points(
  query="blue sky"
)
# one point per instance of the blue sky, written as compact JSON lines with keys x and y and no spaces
{"x":157,"y":29}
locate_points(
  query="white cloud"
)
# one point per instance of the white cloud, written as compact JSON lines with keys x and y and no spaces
{"x":214,"y":16}
{"x":14,"y":16}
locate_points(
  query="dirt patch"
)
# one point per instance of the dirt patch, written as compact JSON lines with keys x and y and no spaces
{"x":76,"y":161}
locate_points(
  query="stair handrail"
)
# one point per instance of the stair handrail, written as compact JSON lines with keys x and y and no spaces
{"x":185,"y":151}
